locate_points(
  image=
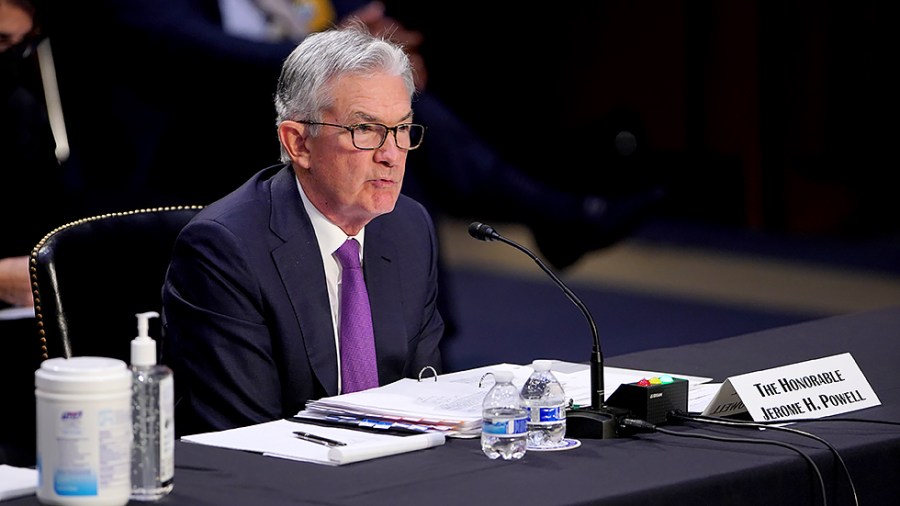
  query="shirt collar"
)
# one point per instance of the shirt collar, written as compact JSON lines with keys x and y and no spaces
{"x":329,"y":235}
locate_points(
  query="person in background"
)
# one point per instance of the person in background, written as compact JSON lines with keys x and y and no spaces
{"x":254,"y":304}
{"x":32,"y":203}
{"x":26,"y":150}
{"x":137,"y":125}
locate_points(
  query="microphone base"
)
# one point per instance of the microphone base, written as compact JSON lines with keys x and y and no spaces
{"x":590,"y":423}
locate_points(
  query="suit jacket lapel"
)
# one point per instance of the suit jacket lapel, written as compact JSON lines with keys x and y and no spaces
{"x":386,"y":300}
{"x":300,"y":265}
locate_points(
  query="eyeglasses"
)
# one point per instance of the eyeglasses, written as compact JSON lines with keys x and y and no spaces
{"x":369,"y":136}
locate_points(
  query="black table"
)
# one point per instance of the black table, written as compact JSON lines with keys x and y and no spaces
{"x":645,"y":469}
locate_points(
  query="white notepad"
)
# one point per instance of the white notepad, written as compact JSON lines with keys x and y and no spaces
{"x":276,"y":439}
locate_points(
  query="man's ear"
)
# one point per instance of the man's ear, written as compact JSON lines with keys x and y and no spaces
{"x":293,"y":137}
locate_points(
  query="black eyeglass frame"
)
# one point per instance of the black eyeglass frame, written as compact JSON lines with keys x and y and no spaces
{"x":352,"y":129}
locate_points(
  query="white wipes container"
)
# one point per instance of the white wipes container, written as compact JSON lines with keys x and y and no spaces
{"x":83,"y":431}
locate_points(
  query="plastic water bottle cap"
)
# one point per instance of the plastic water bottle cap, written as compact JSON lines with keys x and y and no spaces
{"x":541,"y":365}
{"x":503,"y":376}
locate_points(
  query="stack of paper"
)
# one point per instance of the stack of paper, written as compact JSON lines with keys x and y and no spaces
{"x":450,"y":403}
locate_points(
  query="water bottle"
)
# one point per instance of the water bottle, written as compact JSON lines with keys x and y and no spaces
{"x":545,"y":402}
{"x":504,"y":431}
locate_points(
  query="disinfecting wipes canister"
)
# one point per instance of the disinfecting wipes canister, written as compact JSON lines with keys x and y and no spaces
{"x":84,"y":431}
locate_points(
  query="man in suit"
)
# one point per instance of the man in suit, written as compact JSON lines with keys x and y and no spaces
{"x":253,"y":302}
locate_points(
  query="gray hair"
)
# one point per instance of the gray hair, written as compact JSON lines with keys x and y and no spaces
{"x":304,"y":87}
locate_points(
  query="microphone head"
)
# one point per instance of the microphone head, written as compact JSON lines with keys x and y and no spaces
{"x":483,"y":231}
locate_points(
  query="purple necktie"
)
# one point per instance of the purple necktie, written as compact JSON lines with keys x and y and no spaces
{"x":359,"y":370}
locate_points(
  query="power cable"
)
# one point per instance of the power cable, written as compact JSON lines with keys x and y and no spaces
{"x":644,"y":426}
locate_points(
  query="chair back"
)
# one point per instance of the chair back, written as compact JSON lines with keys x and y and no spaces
{"x":92,"y":276}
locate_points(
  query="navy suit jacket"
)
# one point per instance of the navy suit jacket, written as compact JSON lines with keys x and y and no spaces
{"x":247,"y":322}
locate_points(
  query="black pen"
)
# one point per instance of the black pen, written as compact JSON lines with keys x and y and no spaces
{"x":315,"y":438}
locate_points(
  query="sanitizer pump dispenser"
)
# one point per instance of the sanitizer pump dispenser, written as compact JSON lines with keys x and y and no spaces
{"x":153,"y":418}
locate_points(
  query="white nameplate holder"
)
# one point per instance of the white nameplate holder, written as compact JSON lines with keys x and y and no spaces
{"x":812,"y":389}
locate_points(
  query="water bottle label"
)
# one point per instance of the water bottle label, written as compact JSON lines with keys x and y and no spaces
{"x":547,"y":415}
{"x":503,"y":427}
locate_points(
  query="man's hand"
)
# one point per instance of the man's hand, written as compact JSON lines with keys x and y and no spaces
{"x":15,"y":283}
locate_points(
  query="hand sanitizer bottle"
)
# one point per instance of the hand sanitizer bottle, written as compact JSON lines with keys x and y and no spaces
{"x":153,"y":418}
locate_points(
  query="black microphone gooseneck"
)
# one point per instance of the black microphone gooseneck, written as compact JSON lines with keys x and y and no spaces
{"x":599,"y":421}
{"x":484,"y":232}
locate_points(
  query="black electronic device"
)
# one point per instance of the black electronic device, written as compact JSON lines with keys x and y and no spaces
{"x":651,"y":399}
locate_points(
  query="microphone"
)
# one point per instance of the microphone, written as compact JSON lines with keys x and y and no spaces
{"x":599,"y":421}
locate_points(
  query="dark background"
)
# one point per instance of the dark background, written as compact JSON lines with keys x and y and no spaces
{"x":777,"y":116}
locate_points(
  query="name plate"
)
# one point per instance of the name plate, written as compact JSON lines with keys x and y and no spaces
{"x":812,"y":389}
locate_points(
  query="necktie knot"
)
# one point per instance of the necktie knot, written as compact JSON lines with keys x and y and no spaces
{"x":348,"y":254}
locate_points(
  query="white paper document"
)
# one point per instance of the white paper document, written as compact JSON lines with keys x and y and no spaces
{"x":277,"y":439}
{"x":699,"y":396}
